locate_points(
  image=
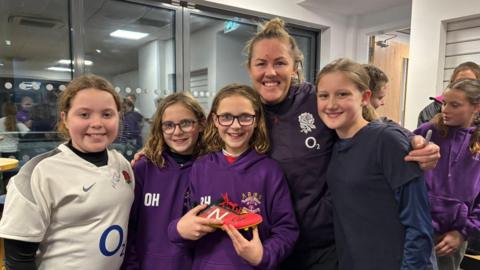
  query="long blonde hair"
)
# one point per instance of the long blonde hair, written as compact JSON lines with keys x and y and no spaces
{"x":155,"y":144}
{"x":357,"y":74}
{"x":259,"y":141}
{"x":275,"y":29}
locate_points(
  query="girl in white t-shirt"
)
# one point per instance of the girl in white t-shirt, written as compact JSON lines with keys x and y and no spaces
{"x":68,"y":208}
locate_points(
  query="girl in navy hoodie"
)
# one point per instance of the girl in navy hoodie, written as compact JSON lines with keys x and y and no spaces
{"x":162,"y":180}
{"x":380,"y":205}
{"x":236,"y":140}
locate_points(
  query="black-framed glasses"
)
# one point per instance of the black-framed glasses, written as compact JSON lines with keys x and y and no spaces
{"x":185,"y":125}
{"x":243,"y":119}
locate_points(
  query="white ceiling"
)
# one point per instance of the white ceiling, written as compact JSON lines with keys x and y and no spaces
{"x":352,"y":7}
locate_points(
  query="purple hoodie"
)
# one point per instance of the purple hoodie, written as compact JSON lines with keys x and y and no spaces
{"x":256,"y":183}
{"x":159,"y":199}
{"x":454,"y":184}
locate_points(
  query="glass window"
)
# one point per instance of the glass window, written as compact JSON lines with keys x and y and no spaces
{"x":217,"y":56}
{"x":306,"y":42}
{"x":34,"y":68}
{"x":133,"y":46}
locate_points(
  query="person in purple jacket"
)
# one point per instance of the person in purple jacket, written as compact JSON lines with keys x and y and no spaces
{"x":162,"y":178}
{"x":301,"y":143}
{"x":236,"y":141}
{"x":454,"y":185}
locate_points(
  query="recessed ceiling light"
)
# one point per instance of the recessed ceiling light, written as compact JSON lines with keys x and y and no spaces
{"x":8,"y":42}
{"x":1,"y":65}
{"x":60,"y":69}
{"x":98,"y":51}
{"x":68,"y":62}
{"x":128,"y":34}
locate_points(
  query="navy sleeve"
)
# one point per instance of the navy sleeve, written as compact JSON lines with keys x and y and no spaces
{"x":20,"y":255}
{"x":394,"y":146}
{"x":414,"y":211}
{"x":387,"y":121}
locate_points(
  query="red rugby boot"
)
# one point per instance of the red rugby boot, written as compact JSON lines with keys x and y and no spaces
{"x":230,"y":213}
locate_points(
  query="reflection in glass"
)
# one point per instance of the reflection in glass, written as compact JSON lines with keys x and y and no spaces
{"x":216,"y":55}
{"x":34,"y":38}
{"x":133,"y":46}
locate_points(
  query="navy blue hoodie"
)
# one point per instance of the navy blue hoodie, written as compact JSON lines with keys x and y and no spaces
{"x":302,"y":145}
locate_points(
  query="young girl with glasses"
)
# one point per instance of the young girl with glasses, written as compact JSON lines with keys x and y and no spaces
{"x":162,"y":180}
{"x":235,"y":164}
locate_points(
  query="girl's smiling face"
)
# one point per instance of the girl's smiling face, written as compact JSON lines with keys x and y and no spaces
{"x":92,"y":120}
{"x":340,"y":103}
{"x":181,"y":141}
{"x":271,"y":69}
{"x":235,"y":136}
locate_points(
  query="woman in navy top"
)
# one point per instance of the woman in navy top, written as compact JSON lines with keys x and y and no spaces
{"x":300,"y":141}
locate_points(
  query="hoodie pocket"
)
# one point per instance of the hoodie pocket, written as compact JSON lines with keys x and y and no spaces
{"x":447,"y":213}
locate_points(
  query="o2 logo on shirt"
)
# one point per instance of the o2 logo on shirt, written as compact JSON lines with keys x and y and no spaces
{"x":312,"y":143}
{"x":111,"y":241}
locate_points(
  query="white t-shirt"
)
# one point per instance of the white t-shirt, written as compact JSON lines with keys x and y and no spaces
{"x":9,"y":139}
{"x":76,"y":210}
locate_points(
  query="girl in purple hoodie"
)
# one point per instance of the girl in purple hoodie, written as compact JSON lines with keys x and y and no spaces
{"x":454,"y":184}
{"x":236,"y":140}
{"x":162,"y":178}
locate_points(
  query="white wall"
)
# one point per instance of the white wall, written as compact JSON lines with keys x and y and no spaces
{"x":230,"y":66}
{"x":169,"y":55}
{"x":378,"y":22}
{"x":334,"y":25}
{"x":342,"y":36}
{"x":150,"y":65}
{"x":202,"y":52}
{"x":427,"y":49}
